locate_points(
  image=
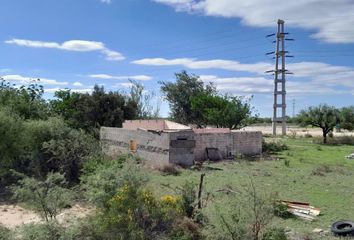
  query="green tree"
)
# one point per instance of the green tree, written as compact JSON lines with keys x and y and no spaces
{"x":322,"y":116}
{"x":347,"y":118}
{"x":90,"y":111}
{"x":12,"y":143}
{"x":178,"y":95}
{"x":26,"y":100}
{"x":221,"y":111}
{"x":143,"y":99}
{"x":52,"y":146}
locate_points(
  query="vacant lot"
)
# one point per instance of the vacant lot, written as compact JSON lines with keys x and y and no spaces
{"x":318,"y":174}
{"x":294,"y":130}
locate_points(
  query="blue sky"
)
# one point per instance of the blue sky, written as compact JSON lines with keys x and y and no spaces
{"x":77,"y":43}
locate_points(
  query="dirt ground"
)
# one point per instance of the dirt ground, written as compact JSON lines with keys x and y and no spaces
{"x":294,"y":130}
{"x":12,"y":216}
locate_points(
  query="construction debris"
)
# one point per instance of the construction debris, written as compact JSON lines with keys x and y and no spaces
{"x":301,"y":209}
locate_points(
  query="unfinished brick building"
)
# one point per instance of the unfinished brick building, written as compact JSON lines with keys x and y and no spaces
{"x":161,"y":142}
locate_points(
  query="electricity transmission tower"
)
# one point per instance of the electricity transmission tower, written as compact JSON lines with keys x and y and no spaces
{"x":279,"y":78}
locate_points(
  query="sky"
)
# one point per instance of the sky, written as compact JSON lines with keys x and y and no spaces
{"x":78,"y":43}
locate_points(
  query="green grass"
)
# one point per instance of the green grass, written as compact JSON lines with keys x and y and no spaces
{"x":316,"y":174}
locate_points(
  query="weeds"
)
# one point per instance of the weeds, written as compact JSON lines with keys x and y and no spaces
{"x":275,"y":233}
{"x":251,"y":215}
{"x":321,"y":170}
{"x":286,"y":162}
{"x":170,"y":169}
{"x":342,"y":140}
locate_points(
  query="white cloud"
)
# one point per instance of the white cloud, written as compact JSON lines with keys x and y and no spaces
{"x":191,"y":63}
{"x":21,"y":79}
{"x":240,"y":84}
{"x":332,"y":19}
{"x":53,"y":90}
{"x":77,"y":84}
{"x":71,"y":45}
{"x":106,"y":1}
{"x":261,"y":85}
{"x":124,"y":85}
{"x":133,"y":77}
{"x":317,"y":73}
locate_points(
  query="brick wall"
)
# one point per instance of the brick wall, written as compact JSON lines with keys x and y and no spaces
{"x":155,"y":148}
{"x":248,"y":143}
{"x":222,"y":141}
{"x":150,"y":146}
{"x":182,"y":144}
{"x":161,"y":149}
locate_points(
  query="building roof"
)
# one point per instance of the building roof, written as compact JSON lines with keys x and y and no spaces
{"x":154,"y":125}
{"x":211,"y":130}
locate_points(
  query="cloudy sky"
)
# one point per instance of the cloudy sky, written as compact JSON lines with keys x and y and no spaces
{"x":77,"y":43}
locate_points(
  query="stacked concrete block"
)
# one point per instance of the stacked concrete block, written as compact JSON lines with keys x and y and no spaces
{"x":221,"y":141}
{"x":157,"y":148}
{"x":181,"y":147}
{"x":247,"y":143}
{"x":151,"y":146}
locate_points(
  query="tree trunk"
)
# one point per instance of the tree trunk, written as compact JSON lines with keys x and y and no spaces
{"x":324,"y":133}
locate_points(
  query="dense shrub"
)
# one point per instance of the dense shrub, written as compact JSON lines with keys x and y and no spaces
{"x":12,"y":144}
{"x":51,"y":230}
{"x":342,"y":140}
{"x":273,"y":147}
{"x":275,"y":233}
{"x":281,"y":210}
{"x":25,"y":101}
{"x":53,"y":146}
{"x":102,"y":182}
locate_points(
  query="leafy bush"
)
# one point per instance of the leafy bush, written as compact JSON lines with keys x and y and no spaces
{"x":188,"y":193}
{"x":53,"y":146}
{"x":273,"y":147}
{"x":25,"y":101}
{"x":50,"y":230}
{"x":102,"y":182}
{"x":47,"y":197}
{"x":12,"y":144}
{"x":281,"y":210}
{"x":66,"y":155}
{"x":274,"y":233}
{"x":135,"y":213}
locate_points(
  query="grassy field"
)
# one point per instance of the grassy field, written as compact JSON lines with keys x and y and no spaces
{"x":318,"y":174}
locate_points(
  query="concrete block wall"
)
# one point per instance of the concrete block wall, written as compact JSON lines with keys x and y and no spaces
{"x":180,"y":147}
{"x":222,"y":141}
{"x":151,"y":146}
{"x":248,"y":143}
{"x":236,"y":142}
{"x":182,"y":153}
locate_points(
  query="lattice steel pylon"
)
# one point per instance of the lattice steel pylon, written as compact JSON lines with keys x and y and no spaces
{"x":279,"y":79}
